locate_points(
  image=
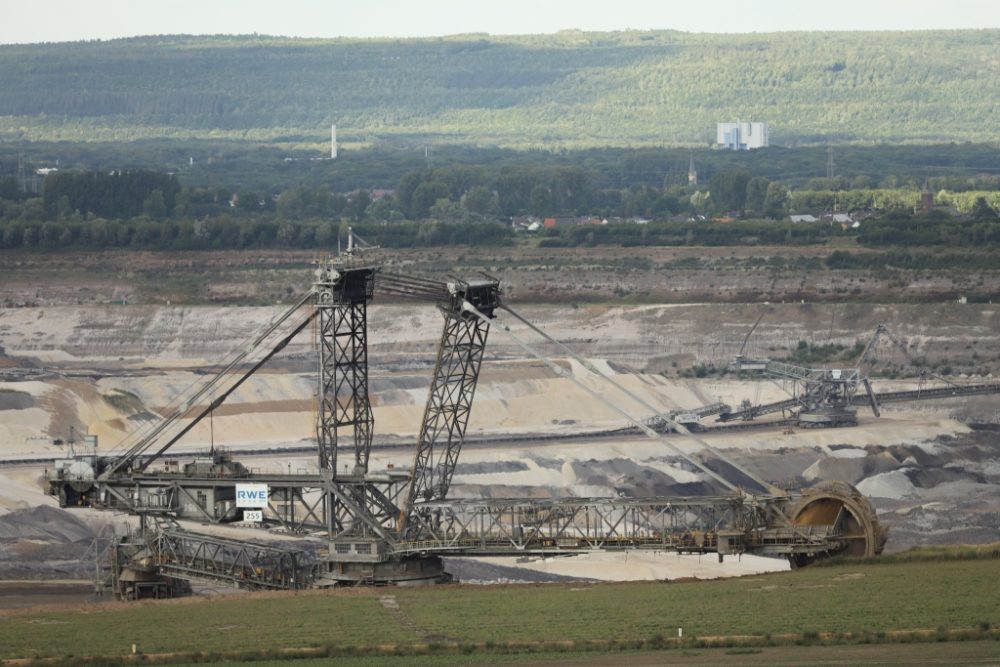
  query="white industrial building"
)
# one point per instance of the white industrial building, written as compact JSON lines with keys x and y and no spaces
{"x":741,"y":136}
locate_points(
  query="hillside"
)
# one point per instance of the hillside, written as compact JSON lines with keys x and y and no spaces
{"x":571,"y":89}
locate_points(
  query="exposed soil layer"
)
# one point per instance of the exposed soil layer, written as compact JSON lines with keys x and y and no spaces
{"x":44,"y":542}
{"x":556,"y":275}
{"x":77,"y":360}
{"x":26,"y":594}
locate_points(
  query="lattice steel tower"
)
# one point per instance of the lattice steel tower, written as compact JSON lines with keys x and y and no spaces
{"x":467,"y":322}
{"x":342,"y":297}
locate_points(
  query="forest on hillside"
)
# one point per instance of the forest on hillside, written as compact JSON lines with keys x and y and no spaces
{"x":568,"y":90}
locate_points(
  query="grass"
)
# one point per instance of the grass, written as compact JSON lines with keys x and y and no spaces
{"x":844,"y":599}
{"x":842,"y":243}
{"x":235,"y":624}
{"x":925,"y":554}
{"x":124,"y":401}
{"x":973,"y":652}
{"x":845,"y":603}
{"x":417,"y":660}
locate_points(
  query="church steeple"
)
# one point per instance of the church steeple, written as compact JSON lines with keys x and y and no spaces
{"x":692,"y":173}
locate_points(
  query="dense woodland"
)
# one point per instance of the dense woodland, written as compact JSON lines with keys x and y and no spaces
{"x":266,"y":168}
{"x":568,"y":90}
{"x":477,"y":205}
{"x":219,"y":142}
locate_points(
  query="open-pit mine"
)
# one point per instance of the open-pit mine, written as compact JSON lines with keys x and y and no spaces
{"x":345,"y":438}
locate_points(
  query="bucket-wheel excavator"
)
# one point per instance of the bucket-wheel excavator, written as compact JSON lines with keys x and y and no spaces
{"x":830,"y":397}
{"x":398,"y":526}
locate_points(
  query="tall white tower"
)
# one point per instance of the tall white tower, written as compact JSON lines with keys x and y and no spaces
{"x":333,"y":142}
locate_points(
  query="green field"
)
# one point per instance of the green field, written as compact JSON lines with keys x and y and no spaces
{"x":850,"y":603}
{"x":951,"y":654}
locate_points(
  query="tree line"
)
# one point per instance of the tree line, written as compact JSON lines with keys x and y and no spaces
{"x":118,"y":194}
{"x":272,"y":169}
{"x":227,"y":232}
{"x":895,"y":229}
{"x":471,"y":204}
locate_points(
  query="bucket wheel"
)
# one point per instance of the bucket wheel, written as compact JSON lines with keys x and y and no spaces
{"x":853,"y":517}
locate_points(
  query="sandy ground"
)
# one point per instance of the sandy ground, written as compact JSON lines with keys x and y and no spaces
{"x":22,"y":486}
{"x":110,"y":371}
{"x":576,"y":276}
{"x":642,"y":565}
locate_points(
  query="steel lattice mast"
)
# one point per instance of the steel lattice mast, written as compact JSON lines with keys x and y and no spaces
{"x":453,"y":387}
{"x":342,"y":297}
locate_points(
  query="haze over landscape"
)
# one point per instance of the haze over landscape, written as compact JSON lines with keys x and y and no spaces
{"x":113,"y":19}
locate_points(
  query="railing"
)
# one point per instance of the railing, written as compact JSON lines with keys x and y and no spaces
{"x":248,"y":565}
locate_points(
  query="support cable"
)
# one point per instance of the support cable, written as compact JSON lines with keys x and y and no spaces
{"x":411,"y":287}
{"x":222,"y":398}
{"x":680,"y":428}
{"x":148,"y":440}
{"x":179,"y":405}
{"x":468,"y":307}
